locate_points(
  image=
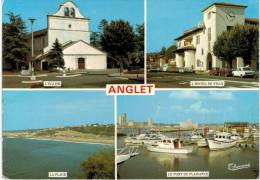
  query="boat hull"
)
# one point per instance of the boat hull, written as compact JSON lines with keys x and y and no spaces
{"x":122,"y":158}
{"x":171,"y":151}
{"x":202,"y":143}
{"x":217,"y":145}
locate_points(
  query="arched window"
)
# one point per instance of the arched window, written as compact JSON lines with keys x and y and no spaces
{"x":66,"y":11}
{"x":72,"y":12}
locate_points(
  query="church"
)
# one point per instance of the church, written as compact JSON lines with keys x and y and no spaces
{"x":72,"y":30}
{"x":195,"y":45}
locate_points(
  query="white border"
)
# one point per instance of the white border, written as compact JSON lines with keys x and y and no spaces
{"x":145,"y":43}
{"x":115,"y":143}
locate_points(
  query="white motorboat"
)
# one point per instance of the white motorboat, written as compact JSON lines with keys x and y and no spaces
{"x":202,"y":143}
{"x":221,"y":140}
{"x":149,"y":138}
{"x":122,"y":158}
{"x":169,"y":145}
{"x":196,"y":137}
{"x":126,"y":153}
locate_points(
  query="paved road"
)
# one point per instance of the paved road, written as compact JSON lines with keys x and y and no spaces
{"x":182,"y":80}
{"x":82,"y":81}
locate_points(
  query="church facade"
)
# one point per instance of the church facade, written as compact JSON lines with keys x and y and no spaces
{"x":195,"y":46}
{"x":72,"y":30}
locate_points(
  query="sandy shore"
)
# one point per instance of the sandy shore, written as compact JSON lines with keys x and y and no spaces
{"x":69,"y":136}
{"x":74,"y":140}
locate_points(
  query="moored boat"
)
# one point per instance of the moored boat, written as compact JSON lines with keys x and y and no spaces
{"x":169,"y":145}
{"x":221,"y":140}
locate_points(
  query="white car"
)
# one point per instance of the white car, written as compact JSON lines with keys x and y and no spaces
{"x":165,"y":67}
{"x":243,"y":72}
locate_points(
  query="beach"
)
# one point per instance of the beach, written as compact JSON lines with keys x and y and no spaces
{"x":62,"y":134}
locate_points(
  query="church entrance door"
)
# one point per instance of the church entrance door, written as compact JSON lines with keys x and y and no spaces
{"x":81,"y":63}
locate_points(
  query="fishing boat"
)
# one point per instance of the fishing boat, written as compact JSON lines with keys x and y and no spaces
{"x":203,"y":142}
{"x":196,"y":137}
{"x":169,"y":145}
{"x":221,"y":140}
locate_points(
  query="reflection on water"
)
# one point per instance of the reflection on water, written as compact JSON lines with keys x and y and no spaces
{"x":155,"y":165}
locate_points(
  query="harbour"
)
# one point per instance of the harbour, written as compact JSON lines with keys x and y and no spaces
{"x":155,"y":165}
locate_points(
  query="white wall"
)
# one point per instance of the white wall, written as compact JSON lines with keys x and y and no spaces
{"x":179,"y":60}
{"x":189,"y":58}
{"x":91,"y":61}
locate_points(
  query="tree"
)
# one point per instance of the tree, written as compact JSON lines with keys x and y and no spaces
{"x":95,"y":39}
{"x":56,"y":54}
{"x":15,"y":49}
{"x":117,"y":39}
{"x":240,"y":41}
{"x":99,"y":166}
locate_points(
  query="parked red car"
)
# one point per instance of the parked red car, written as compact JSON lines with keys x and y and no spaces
{"x":220,"y":72}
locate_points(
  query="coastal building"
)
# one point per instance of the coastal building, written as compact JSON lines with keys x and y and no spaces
{"x":195,"y":45}
{"x":188,"y":124}
{"x":149,"y":122}
{"x":72,"y":30}
{"x":236,"y":124}
{"x":123,"y":119}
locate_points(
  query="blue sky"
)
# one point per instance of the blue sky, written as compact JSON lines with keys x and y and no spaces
{"x":167,"y":19}
{"x":43,"y":109}
{"x":96,"y":10}
{"x":200,"y":106}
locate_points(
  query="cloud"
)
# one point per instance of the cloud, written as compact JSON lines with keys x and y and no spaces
{"x":186,"y":95}
{"x":221,"y":95}
{"x":198,"y":108}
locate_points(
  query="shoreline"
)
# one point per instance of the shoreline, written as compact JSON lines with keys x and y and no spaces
{"x":60,"y":140}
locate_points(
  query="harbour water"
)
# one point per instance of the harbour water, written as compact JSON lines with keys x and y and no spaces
{"x":152,"y":165}
{"x":33,"y":159}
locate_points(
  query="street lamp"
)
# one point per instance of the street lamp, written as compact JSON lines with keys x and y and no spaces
{"x":32,"y":68}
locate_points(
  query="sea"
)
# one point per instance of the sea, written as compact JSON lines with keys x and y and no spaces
{"x":34,"y":159}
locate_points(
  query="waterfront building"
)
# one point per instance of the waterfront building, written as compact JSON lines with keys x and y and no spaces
{"x":123,"y":119}
{"x":188,"y":125}
{"x":195,"y":45}
{"x":235,"y":124}
{"x":72,"y":30}
{"x":149,"y":122}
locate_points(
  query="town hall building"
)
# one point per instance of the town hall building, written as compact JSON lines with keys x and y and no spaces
{"x":72,"y":30}
{"x":195,"y":46}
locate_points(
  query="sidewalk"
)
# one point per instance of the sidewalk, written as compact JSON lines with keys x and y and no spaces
{"x":139,"y":77}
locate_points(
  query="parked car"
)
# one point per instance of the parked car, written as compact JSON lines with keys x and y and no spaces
{"x":243,"y":72}
{"x":214,"y":71}
{"x":153,"y":68}
{"x":220,"y":72}
{"x":188,"y":70}
{"x":165,"y":67}
{"x":225,"y":72}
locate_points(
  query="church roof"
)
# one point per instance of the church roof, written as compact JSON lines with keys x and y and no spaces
{"x":225,"y":4}
{"x":39,"y":33}
{"x":64,"y":46}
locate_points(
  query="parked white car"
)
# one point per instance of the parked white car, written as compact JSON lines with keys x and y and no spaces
{"x":165,"y":67}
{"x":243,"y":72}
